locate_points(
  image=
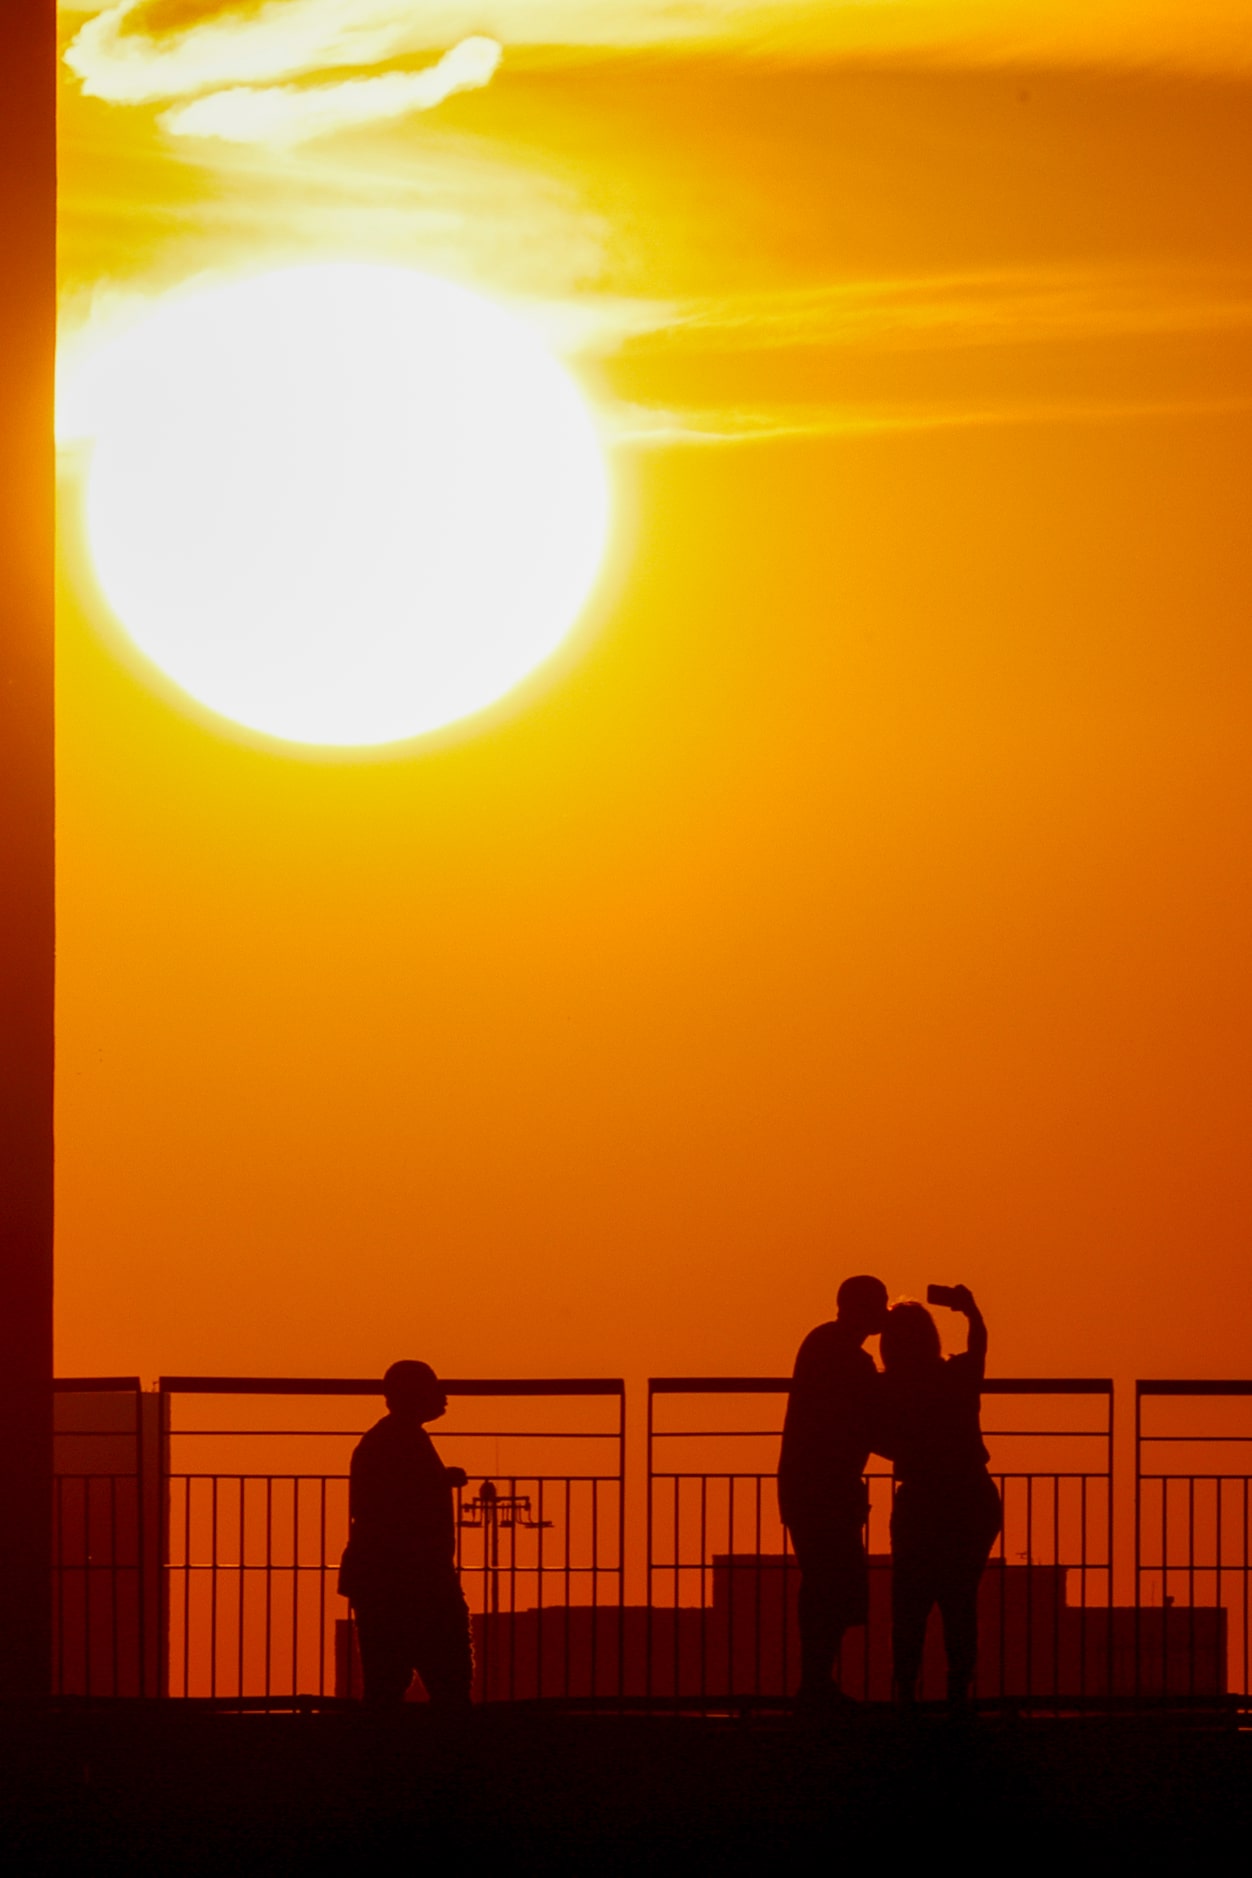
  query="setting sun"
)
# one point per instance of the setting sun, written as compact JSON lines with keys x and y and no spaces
{"x":340,"y":504}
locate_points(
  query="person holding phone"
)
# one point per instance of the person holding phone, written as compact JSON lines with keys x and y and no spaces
{"x":947,"y":1509}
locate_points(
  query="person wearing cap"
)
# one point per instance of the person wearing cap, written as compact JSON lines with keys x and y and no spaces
{"x":399,"y":1566}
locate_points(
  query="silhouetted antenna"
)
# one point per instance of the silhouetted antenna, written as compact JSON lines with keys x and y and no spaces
{"x":490,"y":1511}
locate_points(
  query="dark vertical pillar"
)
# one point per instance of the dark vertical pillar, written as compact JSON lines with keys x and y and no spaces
{"x":27,"y":344}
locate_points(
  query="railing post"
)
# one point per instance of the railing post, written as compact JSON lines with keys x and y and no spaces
{"x":28,"y":67}
{"x":1138,"y":1621}
{"x":647,"y":1562}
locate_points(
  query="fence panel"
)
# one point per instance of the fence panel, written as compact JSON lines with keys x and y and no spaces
{"x":1193,"y":1539}
{"x":105,"y":1538}
{"x":258,"y":1518}
{"x":722,"y":1579}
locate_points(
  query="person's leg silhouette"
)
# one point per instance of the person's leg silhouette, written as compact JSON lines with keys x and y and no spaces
{"x":443,"y":1645}
{"x":916,"y":1576}
{"x":971,"y":1523}
{"x":830,"y":1551}
{"x":383,"y":1628}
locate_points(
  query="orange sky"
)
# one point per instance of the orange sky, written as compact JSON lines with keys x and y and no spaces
{"x":869,"y":889}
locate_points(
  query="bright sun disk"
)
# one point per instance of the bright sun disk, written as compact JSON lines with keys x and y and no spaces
{"x":342,"y":504}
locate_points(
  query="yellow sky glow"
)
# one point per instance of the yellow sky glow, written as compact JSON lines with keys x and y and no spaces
{"x":870,"y":890}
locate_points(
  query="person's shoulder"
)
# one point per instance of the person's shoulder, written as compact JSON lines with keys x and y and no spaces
{"x":817,"y":1350}
{"x":376,"y":1437}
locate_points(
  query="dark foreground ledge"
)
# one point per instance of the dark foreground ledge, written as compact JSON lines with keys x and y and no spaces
{"x":135,"y":1788}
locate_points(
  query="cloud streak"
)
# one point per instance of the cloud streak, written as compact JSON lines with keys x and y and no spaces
{"x":293,"y":114}
{"x":647,"y":427}
{"x":1014,"y":307}
{"x":137,"y":51}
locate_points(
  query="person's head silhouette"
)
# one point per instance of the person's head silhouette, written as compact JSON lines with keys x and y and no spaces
{"x":414,"y":1390}
{"x":910,"y":1340}
{"x":862,"y":1306}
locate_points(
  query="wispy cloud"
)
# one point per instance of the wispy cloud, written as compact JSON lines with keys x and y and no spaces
{"x":291,"y":114}
{"x":1017,"y":307}
{"x":138,"y":50}
{"x":135,"y":51}
{"x":1008,"y":314}
{"x":645,"y":427}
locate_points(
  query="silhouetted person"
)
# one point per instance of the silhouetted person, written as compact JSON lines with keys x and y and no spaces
{"x":399,"y":1565}
{"x":831,"y":1418}
{"x":947,"y":1508}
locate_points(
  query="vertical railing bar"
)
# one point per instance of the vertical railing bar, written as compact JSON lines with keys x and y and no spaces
{"x":161,"y":1549}
{"x":269,"y":1583}
{"x":594,"y":1653}
{"x":1190,"y":1589}
{"x":1219,"y":1642}
{"x":1110,"y":1544}
{"x":87,"y":1649}
{"x":1165,"y":1484}
{"x":114,"y":1581}
{"x":731,"y":1678}
{"x":512,"y":1532}
{"x":568,"y":1585}
{"x":1082,"y":1581}
{"x":141,"y":1555}
{"x":757,"y":1574}
{"x":1059,"y":1596}
{"x":321,"y":1582}
{"x":704,"y":1588}
{"x":1030,"y":1585}
{"x":295,"y":1585}
{"x":241,"y":1576}
{"x":213,"y":1581}
{"x":186,"y":1480}
{"x":621,"y":1535}
{"x":649,"y":1548}
{"x":539,"y":1609}
{"x":784,"y":1573}
{"x":677,"y":1675}
{"x":1247,"y":1565}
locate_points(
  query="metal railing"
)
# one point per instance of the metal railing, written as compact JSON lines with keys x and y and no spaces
{"x":1193,"y":1538}
{"x":198,"y":1530}
{"x":258,"y":1517}
{"x":722,"y":1579}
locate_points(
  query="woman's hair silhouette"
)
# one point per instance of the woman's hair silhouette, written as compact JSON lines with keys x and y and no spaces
{"x":910,"y":1338}
{"x":946,"y":1511}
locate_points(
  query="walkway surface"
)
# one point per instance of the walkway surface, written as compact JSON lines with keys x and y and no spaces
{"x":135,"y":1789}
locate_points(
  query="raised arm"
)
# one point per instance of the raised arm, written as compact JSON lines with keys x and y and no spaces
{"x":976,"y":1340}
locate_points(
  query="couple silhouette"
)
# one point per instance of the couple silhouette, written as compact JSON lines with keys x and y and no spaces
{"x":921,"y":1412}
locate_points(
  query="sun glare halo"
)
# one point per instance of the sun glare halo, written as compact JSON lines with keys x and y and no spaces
{"x":341,"y":504}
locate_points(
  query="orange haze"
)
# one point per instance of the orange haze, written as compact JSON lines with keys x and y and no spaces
{"x":869,"y":889}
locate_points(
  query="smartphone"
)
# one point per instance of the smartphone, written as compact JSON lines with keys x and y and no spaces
{"x":941,"y":1294}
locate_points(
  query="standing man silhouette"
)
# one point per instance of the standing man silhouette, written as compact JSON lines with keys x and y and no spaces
{"x":827,"y":1436}
{"x":399,"y":1566}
